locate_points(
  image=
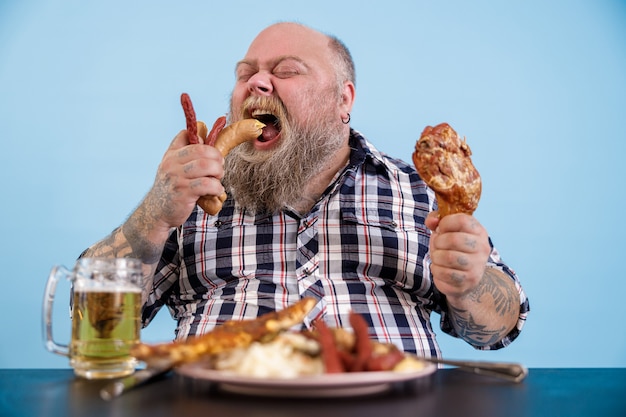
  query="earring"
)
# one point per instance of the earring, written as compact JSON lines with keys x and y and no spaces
{"x":345,"y":122}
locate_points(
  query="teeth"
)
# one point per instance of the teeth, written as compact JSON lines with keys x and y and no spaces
{"x":256,"y":113}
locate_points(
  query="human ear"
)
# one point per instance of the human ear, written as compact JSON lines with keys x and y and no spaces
{"x":347,"y":96}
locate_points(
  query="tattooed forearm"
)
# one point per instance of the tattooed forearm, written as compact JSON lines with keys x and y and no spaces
{"x":125,"y":243}
{"x":477,"y":334}
{"x":503,"y":296}
{"x":117,"y":245}
{"x":134,"y":231}
{"x":113,"y":246}
{"x":131,"y":241}
{"x":487,"y":313}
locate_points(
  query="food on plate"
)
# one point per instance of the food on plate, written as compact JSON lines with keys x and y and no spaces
{"x":443,"y":161}
{"x":230,"y":335}
{"x":267,"y":347}
{"x":342,"y":350}
{"x":288,"y":355}
{"x":223,"y":138}
{"x":297,"y":354}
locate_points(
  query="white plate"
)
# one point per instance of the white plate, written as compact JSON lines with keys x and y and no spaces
{"x":326,"y":385}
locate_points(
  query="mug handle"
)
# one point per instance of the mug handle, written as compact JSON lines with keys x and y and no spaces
{"x":56,"y":273}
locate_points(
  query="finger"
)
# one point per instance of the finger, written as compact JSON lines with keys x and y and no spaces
{"x":458,"y":241}
{"x":192,"y":162}
{"x":180,"y":186}
{"x":205,"y":166}
{"x":459,"y":222}
{"x":188,"y":153}
{"x":180,"y":140}
{"x":451,"y":282}
{"x":451,"y":259}
{"x":432,"y":220}
{"x":206,"y":186}
{"x":448,"y":277}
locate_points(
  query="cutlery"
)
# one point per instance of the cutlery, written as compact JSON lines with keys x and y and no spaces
{"x":140,"y":377}
{"x":509,"y":371}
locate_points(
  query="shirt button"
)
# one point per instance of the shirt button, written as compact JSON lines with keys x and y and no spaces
{"x":307,"y":271}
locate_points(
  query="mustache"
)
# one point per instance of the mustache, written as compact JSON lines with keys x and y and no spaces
{"x":252,"y":106}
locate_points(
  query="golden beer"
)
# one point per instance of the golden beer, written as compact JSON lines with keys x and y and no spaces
{"x":105,"y":325}
{"x":105,"y":306}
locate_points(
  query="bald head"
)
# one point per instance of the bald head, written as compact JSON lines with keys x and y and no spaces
{"x":337,"y":54}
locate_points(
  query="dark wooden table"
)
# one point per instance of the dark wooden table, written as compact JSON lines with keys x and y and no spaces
{"x":449,"y":392}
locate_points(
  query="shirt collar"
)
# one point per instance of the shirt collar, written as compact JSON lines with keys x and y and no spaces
{"x":363,"y":150}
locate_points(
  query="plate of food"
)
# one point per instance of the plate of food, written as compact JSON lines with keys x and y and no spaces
{"x":292,"y":365}
{"x":265,"y":356}
{"x":326,"y":385}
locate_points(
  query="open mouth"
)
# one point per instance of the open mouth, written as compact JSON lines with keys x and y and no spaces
{"x":272,"y":127}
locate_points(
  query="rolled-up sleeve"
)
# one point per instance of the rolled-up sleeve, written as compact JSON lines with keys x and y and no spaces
{"x":524,"y":307}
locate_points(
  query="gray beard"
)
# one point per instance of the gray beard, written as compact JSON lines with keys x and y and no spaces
{"x":268,"y":181}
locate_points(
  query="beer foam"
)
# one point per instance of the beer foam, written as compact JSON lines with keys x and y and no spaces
{"x":96,"y":286}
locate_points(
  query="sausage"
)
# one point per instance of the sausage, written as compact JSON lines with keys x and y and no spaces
{"x":190,"y":118}
{"x":385,"y":360}
{"x":238,"y":133}
{"x":362,"y":344}
{"x":330,"y":354}
{"x":219,"y":124}
{"x":231,"y":136}
{"x":224,"y":139}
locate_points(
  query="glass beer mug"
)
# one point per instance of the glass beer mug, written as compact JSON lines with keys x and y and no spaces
{"x":105,"y":315}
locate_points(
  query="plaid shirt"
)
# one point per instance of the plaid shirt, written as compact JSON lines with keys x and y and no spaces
{"x":363,"y":247}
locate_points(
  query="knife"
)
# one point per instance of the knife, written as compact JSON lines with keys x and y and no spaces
{"x":140,"y":377}
{"x":509,"y":371}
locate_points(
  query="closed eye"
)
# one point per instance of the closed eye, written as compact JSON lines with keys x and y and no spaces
{"x":244,"y":71}
{"x":244,"y":76}
{"x":289,"y":66}
{"x":286,"y":72}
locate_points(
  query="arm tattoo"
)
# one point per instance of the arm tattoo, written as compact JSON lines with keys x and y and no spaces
{"x":140,"y":247}
{"x":492,"y":285}
{"x":469,"y":330}
{"x":129,"y":241}
{"x":112,"y":246}
{"x":492,"y":289}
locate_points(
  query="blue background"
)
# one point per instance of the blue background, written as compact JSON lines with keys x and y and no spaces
{"x":89,"y":101}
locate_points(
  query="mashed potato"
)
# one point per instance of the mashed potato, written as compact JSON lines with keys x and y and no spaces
{"x":289,"y":355}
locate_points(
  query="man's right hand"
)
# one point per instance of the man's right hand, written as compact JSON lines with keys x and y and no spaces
{"x":185,"y":173}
